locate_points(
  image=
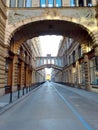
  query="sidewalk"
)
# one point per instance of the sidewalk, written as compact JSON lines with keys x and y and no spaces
{"x":5,"y":100}
{"x":93,"y":96}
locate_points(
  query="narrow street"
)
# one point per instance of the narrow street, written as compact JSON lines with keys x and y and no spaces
{"x":52,"y":107}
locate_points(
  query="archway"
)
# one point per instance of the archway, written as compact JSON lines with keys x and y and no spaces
{"x":58,"y":27}
{"x":43,"y":27}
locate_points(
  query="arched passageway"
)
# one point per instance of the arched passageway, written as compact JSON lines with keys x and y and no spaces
{"x":79,"y":34}
{"x":57,"y":27}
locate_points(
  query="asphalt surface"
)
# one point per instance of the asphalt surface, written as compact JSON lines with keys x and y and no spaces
{"x":52,"y":107}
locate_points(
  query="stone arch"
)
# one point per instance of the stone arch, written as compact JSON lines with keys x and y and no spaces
{"x":15,"y":28}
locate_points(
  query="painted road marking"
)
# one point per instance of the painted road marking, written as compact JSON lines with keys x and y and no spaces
{"x":85,"y":124}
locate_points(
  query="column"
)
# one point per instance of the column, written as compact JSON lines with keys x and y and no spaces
{"x":85,"y":4}
{"x":77,"y":2}
{"x":46,"y":3}
{"x":24,"y":3}
{"x":15,"y":73}
{"x":16,"y":3}
{"x":54,"y":3}
{"x":22,"y":75}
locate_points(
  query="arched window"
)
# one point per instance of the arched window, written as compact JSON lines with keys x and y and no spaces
{"x":28,"y":3}
{"x":43,"y":3}
{"x":58,"y":3}
{"x":12,"y":3}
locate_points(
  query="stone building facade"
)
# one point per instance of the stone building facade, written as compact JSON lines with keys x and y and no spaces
{"x":78,"y":25}
{"x":3,"y":18}
{"x":17,"y":62}
{"x":80,"y":65}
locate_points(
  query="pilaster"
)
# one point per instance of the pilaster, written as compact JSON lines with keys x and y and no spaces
{"x":15,"y":72}
{"x":87,"y":72}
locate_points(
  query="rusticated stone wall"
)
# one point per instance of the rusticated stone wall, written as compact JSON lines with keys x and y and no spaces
{"x":2,"y":47}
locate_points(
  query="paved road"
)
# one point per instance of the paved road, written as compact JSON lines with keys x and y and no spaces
{"x":52,"y":107}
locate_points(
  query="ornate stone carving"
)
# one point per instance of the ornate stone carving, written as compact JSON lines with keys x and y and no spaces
{"x":52,"y":13}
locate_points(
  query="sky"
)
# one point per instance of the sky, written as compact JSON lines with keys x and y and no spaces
{"x":49,"y":45}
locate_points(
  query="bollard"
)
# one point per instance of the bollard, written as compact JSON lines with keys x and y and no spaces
{"x":18,"y":90}
{"x":10,"y":96}
{"x":29,"y":88}
{"x":18,"y":93}
{"x":23,"y":91}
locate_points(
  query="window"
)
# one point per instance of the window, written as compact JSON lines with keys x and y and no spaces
{"x":48,"y":61}
{"x":82,"y":74}
{"x":28,"y":3}
{"x":79,"y":51}
{"x":52,"y":61}
{"x":94,"y":70}
{"x":58,"y":3}
{"x":12,"y":3}
{"x":50,"y":3}
{"x":44,"y":61}
{"x":43,"y":3}
{"x":81,"y":3}
{"x":20,"y":3}
{"x":89,"y":2}
{"x":72,"y":2}
{"x":73,"y":56}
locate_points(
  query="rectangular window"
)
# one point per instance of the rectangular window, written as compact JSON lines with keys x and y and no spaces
{"x":12,"y":3}
{"x":20,"y":3}
{"x":50,"y":3}
{"x":28,"y":3}
{"x":93,"y":71}
{"x":89,"y":2}
{"x":43,"y":3}
{"x":58,"y":3}
{"x":72,"y":2}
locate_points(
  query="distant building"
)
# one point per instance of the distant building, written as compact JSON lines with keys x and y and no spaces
{"x":48,"y":77}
